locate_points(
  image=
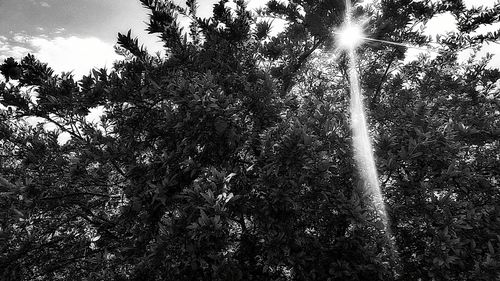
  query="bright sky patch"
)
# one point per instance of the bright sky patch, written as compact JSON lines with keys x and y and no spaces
{"x":75,"y":54}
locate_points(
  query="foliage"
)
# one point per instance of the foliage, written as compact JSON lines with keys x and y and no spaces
{"x":230,"y":159}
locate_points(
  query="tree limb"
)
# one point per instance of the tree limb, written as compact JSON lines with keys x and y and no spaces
{"x":375,"y":97}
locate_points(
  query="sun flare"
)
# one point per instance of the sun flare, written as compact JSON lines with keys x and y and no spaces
{"x":350,"y":36}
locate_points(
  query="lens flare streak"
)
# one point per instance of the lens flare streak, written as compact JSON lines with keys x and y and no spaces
{"x":363,"y":151}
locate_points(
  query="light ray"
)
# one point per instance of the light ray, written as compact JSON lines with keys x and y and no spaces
{"x":352,"y":37}
{"x":362,"y":146}
{"x":427,"y":49}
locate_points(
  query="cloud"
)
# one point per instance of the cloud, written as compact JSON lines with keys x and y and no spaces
{"x":59,"y":30}
{"x":40,"y":3}
{"x":491,"y":49}
{"x":95,"y":114}
{"x":413,"y":54}
{"x":469,"y":4}
{"x":485,"y":28}
{"x":255,"y":4}
{"x":63,"y":54}
{"x":73,"y":53}
{"x":440,"y":25}
{"x":11,"y":50}
{"x":20,"y":38}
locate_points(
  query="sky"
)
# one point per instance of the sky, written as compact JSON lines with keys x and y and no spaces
{"x":77,"y":35}
{"x":69,"y":34}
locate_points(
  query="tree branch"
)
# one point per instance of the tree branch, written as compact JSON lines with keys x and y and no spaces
{"x":374,"y":100}
{"x":295,"y":67}
{"x":79,"y":194}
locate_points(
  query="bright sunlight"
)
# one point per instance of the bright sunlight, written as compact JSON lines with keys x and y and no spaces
{"x":350,"y":36}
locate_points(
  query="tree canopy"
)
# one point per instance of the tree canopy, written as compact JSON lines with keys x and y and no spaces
{"x":230,"y":158}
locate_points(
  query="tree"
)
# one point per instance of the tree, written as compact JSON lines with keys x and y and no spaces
{"x":230,"y":158}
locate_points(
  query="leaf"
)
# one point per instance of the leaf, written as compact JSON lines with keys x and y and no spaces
{"x":262,"y":29}
{"x":96,"y":73}
{"x":307,"y":139}
{"x":193,"y":226}
{"x":204,"y":218}
{"x":438,"y":261}
{"x":229,"y":177}
{"x":490,"y":248}
{"x":220,"y":126}
{"x":18,"y":213}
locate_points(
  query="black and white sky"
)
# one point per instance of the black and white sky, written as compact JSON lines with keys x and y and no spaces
{"x":77,"y":35}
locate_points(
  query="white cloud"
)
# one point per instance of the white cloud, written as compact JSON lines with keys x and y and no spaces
{"x":469,"y":4}
{"x":40,"y":3}
{"x":63,"y":54}
{"x":413,"y":54}
{"x":444,"y":23}
{"x":464,"y":55}
{"x":255,"y":4}
{"x":95,"y":114}
{"x":441,"y":24}
{"x":485,"y":28}
{"x":73,"y":53}
{"x":9,"y":50}
{"x":20,"y":38}
{"x":492,"y":49}
{"x":63,"y":138}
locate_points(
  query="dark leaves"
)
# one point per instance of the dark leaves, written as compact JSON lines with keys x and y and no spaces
{"x":10,"y":69}
{"x":131,"y":45}
{"x":262,"y":29}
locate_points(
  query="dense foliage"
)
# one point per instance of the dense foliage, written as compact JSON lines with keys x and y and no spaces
{"x":229,"y":158}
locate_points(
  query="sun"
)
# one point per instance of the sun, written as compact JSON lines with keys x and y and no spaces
{"x":350,"y":36}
